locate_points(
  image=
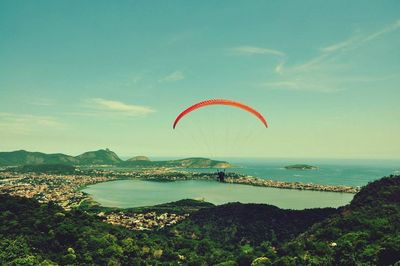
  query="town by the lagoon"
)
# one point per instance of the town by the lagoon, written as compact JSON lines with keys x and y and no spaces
{"x":65,"y":189}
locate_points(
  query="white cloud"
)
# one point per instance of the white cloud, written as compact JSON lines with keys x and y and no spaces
{"x":26,"y":123}
{"x":174,"y":76}
{"x":341,"y":45}
{"x":327,"y":71}
{"x":355,"y":41}
{"x":280,"y":67}
{"x":304,"y":84}
{"x":43,"y":102}
{"x":119,"y":108}
{"x":252,"y":50}
{"x":390,"y":28}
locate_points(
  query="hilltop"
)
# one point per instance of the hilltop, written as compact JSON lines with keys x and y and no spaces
{"x":102,"y":157}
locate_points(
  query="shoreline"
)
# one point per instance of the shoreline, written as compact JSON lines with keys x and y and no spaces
{"x":248,"y":180}
{"x":67,"y":189}
{"x":260,"y":182}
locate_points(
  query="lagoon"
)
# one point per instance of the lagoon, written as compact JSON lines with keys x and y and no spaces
{"x":138,"y":193}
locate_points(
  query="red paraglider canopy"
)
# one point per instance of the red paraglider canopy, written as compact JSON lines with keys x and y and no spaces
{"x":221,"y":102}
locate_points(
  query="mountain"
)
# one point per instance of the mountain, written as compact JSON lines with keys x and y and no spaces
{"x":22,"y":157}
{"x":17,"y":158}
{"x":100,"y":157}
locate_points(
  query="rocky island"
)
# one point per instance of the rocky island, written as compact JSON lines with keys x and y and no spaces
{"x":301,"y":167}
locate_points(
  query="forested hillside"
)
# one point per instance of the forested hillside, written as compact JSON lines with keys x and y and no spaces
{"x":366,"y":232}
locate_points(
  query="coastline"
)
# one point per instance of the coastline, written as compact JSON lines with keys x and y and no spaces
{"x":67,"y":190}
{"x":260,"y":182}
{"x":249,"y":180}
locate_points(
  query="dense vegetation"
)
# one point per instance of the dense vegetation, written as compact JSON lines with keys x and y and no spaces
{"x":366,"y":232}
{"x":178,"y":207}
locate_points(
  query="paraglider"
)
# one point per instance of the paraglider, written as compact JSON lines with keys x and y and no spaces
{"x":221,"y":102}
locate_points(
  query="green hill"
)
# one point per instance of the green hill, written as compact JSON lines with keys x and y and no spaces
{"x":365,"y":232}
{"x":22,"y":157}
{"x":233,"y":222}
{"x":100,"y":157}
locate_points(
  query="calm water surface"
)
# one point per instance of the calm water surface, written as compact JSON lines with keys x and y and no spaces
{"x":331,"y":172}
{"x":136,"y":193}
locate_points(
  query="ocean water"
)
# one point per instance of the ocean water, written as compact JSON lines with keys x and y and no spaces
{"x":331,"y":172}
{"x":136,"y":193}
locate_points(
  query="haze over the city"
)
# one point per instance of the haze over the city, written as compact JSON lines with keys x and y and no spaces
{"x":116,"y":74}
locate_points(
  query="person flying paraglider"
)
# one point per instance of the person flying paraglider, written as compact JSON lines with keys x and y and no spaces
{"x":221,"y":176}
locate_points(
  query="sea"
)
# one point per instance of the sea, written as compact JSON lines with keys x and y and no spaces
{"x":137,"y":193}
{"x":331,"y":172}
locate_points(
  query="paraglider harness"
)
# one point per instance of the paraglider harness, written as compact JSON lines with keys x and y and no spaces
{"x":221,"y":176}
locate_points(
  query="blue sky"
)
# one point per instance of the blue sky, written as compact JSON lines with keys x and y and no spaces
{"x":84,"y":75}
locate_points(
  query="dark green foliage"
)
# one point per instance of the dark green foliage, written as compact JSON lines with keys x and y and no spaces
{"x":252,"y":223}
{"x":178,"y":207}
{"x":45,"y":231}
{"x":366,"y":232}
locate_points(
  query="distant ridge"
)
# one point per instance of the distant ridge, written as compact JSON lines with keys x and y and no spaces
{"x":101,"y":157}
{"x":139,"y":158}
{"x":182,"y":163}
{"x":23,"y":157}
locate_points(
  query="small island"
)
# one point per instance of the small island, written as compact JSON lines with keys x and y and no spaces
{"x":301,"y":167}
